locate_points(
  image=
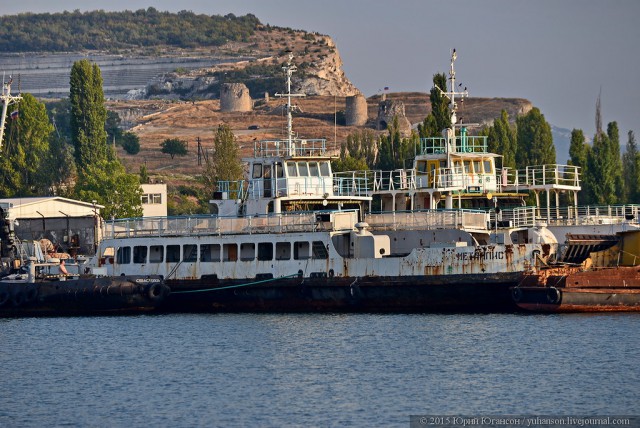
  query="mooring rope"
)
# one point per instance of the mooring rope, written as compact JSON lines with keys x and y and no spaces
{"x":235,"y":286}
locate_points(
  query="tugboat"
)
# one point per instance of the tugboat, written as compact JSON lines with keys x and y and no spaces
{"x":31,"y":283}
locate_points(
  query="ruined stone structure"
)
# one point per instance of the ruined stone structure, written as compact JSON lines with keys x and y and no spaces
{"x":235,"y":97}
{"x":356,"y":110}
{"x":387,"y":110}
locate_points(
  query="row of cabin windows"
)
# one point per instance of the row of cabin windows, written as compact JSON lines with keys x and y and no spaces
{"x":294,"y":169}
{"x":266,"y":251}
{"x":468,"y":166}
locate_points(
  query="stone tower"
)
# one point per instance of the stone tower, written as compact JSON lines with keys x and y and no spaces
{"x":235,"y":97}
{"x":387,"y":110}
{"x":356,"y":110}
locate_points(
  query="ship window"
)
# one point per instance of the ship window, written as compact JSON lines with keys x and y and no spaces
{"x":140,"y":254}
{"x":229,"y":252}
{"x":189,"y":253}
{"x":487,"y":166}
{"x":319,"y":250}
{"x":279,"y":170}
{"x":173,"y":253}
{"x":209,"y":253}
{"x":283,"y":250}
{"x":477,"y":167}
{"x":123,"y":256}
{"x":257,"y":170}
{"x":156,"y":253}
{"x":301,"y":250}
{"x":292,"y":171}
{"x":265,"y":251}
{"x":422,"y":166}
{"x":325,"y":169}
{"x":247,"y":252}
{"x":303,"y":168}
{"x":467,"y":167}
{"x":313,"y":169}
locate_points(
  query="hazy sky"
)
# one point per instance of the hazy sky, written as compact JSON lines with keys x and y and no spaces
{"x":557,"y":53}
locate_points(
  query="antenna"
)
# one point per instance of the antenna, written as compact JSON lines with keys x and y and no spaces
{"x":7,"y":100}
{"x":289,"y":69}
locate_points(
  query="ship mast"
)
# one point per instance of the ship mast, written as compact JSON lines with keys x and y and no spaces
{"x":7,"y":100}
{"x":453,"y":107}
{"x":289,"y":69}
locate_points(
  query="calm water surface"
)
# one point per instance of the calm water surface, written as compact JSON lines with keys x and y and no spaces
{"x":313,"y":370}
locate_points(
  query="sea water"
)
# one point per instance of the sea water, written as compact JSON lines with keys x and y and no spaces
{"x":279,"y":370}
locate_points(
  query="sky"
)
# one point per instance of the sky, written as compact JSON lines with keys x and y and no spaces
{"x":558,"y":54}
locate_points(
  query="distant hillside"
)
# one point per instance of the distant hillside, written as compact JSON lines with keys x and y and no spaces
{"x":115,"y":32}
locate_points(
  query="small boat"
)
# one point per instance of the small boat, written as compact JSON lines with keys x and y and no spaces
{"x":609,"y":280}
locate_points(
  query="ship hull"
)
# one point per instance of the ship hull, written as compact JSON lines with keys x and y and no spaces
{"x":572,"y":290}
{"x":433,"y":293}
{"x":87,"y":295}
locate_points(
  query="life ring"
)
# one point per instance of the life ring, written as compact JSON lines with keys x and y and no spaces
{"x":4,"y":297}
{"x":516,"y":294}
{"x":156,"y":291}
{"x":18,"y":297}
{"x":553,"y":295}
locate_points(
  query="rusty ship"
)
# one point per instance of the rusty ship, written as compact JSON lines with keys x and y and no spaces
{"x":606,"y":280}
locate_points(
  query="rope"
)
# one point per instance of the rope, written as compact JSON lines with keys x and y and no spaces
{"x":234,"y":286}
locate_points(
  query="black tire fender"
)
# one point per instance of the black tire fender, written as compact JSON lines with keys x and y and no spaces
{"x":554,"y":295}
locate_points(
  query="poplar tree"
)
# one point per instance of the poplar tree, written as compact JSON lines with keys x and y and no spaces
{"x":440,"y":116}
{"x":502,"y":140}
{"x":579,"y":152}
{"x":88,"y":114}
{"x":25,"y":155}
{"x":631,"y":170}
{"x":224,"y":163}
{"x":534,"y":140}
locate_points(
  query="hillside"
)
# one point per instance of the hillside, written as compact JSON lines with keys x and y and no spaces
{"x":154,"y":121}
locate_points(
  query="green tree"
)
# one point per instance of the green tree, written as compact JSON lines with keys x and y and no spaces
{"x":108,"y":183}
{"x":174,"y":146}
{"x":224,"y":163}
{"x":631,"y":170}
{"x":88,"y":114}
{"x":130,"y":143}
{"x":534,"y":140}
{"x":440,"y":116}
{"x":112,"y":126}
{"x":25,"y":157}
{"x":359,"y":152}
{"x":502,"y":140}
{"x":579,"y":153}
{"x":613,"y":139}
{"x":601,"y":166}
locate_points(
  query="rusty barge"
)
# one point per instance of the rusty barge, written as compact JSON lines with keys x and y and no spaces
{"x":606,"y":280}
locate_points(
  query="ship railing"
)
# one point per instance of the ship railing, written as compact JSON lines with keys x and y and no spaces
{"x":554,"y":176}
{"x":198,"y":225}
{"x":589,"y":215}
{"x":428,"y":219}
{"x":230,"y":190}
{"x":517,"y":217}
{"x":463,"y":144}
{"x":350,"y":184}
{"x":298,"y":147}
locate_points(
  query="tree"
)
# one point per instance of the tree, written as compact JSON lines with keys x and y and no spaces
{"x":602,"y":175}
{"x":174,"y":146}
{"x":224,"y":163}
{"x":108,"y":183}
{"x":88,"y":114}
{"x":440,"y":116}
{"x":534,"y":140}
{"x":25,"y":156}
{"x":359,"y":152}
{"x":502,"y":140}
{"x":130,"y":143}
{"x":631,"y":170}
{"x":614,"y":152}
{"x":579,"y":152}
{"x":112,"y":126}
